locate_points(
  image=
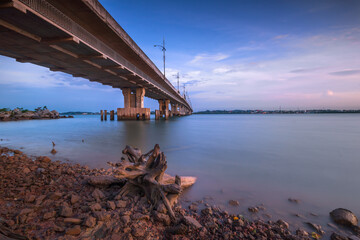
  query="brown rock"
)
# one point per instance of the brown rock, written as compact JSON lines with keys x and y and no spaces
{"x":72,"y":220}
{"x":43,"y":159}
{"x":120,"y":204}
{"x":164,"y":218}
{"x":74,"y":199}
{"x":49,"y":215}
{"x":26,"y":211}
{"x":76,"y":230}
{"x":66,"y":211}
{"x":95,"y":207}
{"x":282,"y":224}
{"x":234,"y":203}
{"x":111,"y":205}
{"x":90,"y":222}
{"x":30,"y":198}
{"x":125,"y":219}
{"x":56,"y":196}
{"x":253,"y":209}
{"x":26,"y":170}
{"x":343,"y":216}
{"x":192,"y":222}
{"x":97,"y":194}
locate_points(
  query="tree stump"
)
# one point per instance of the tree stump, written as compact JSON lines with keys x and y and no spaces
{"x":146,"y":173}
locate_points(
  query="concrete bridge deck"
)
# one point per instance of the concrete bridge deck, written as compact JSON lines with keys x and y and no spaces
{"x":79,"y":37}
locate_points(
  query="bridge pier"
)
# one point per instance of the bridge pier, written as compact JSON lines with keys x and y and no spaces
{"x":133,"y":105}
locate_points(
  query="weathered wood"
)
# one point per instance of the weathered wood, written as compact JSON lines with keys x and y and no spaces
{"x":146,"y":172}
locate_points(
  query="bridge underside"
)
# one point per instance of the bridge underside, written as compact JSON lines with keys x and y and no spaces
{"x":28,"y":36}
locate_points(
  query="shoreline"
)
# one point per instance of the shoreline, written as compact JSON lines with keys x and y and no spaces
{"x":39,"y":114}
{"x":41,"y":198}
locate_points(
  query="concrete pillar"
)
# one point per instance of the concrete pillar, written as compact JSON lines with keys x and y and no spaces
{"x":112,"y":115}
{"x":105,"y":115}
{"x":132,"y":100}
{"x":127,"y":93}
{"x":157,"y":114}
{"x":101,"y":113}
{"x":161,"y":106}
{"x":166,"y":113}
{"x":140,"y":93}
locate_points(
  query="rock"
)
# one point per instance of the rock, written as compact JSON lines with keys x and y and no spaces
{"x":66,"y":211}
{"x":335,"y":236}
{"x":179,"y":229}
{"x":97,"y":194}
{"x":76,"y":230}
{"x":293,"y":200}
{"x":253,"y":209}
{"x":282,"y":224}
{"x":53,"y":151}
{"x":344,"y":217}
{"x":192,"y":222}
{"x":207,"y":211}
{"x":25,"y":211}
{"x":58,"y":228}
{"x":111,"y":205}
{"x":139,"y":216}
{"x":43,"y":159}
{"x":120,"y":204}
{"x":138,"y":231}
{"x":164,"y":218}
{"x":30,"y":198}
{"x":193,"y":207}
{"x":74,"y":199}
{"x":103,"y":180}
{"x":125,"y":219}
{"x":72,"y":220}
{"x":90,"y":222}
{"x":49,"y":215}
{"x":26,"y":170}
{"x":234,"y":203}
{"x":95,"y":207}
{"x":316,"y":227}
{"x":56,"y":196}
{"x":302,"y":233}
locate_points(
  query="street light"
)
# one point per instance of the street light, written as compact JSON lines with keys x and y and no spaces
{"x":162,"y":47}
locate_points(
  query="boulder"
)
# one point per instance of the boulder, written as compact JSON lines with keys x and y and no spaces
{"x":344,"y":217}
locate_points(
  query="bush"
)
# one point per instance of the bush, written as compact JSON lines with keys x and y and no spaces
{"x":4,"y":109}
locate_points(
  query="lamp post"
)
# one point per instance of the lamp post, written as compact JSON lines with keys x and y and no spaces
{"x":162,"y":47}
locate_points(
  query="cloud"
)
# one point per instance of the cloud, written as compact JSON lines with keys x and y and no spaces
{"x":201,"y":58}
{"x":278,"y":37}
{"x":345,"y":73}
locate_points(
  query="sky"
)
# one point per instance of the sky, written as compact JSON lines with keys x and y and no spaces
{"x":244,"y":54}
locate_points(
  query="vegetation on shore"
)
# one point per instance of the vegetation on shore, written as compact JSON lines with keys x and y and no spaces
{"x":314,"y":111}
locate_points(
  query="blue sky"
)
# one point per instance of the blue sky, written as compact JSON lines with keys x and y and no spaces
{"x":230,"y":54}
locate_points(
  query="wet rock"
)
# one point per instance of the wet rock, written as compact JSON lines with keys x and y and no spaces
{"x":282,"y":224}
{"x":301,"y":233}
{"x":120,"y":204}
{"x":192,"y":222}
{"x":66,"y":211}
{"x":43,"y":159}
{"x":253,"y":209}
{"x":207,"y":211}
{"x":179,"y":229}
{"x":111,"y":205}
{"x":76,"y":230}
{"x":344,"y":217}
{"x":193,"y":207}
{"x":26,"y":170}
{"x":164,"y":218}
{"x":335,"y":236}
{"x":293,"y":200}
{"x":53,"y":151}
{"x":234,"y":203}
{"x":49,"y":215}
{"x":72,"y":220}
{"x":90,"y":222}
{"x":316,"y":227}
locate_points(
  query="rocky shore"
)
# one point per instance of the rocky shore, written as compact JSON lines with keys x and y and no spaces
{"x":42,"y":199}
{"x":18,"y":114}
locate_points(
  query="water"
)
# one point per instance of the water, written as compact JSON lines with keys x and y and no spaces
{"x":255,"y":159}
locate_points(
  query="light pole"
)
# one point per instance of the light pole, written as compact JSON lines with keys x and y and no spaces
{"x":162,"y":47}
{"x":178,"y":81}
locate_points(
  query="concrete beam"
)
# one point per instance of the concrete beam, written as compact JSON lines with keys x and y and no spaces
{"x":60,"y":40}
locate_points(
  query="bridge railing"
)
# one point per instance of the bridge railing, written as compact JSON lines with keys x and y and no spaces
{"x":56,"y":16}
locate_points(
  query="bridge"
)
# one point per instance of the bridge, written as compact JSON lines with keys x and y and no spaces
{"x":81,"y":38}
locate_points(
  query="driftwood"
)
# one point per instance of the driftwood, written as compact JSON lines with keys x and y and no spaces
{"x":146,"y":172}
{"x":7,"y":234}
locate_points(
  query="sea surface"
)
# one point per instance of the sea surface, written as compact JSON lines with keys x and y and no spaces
{"x":254,"y":159}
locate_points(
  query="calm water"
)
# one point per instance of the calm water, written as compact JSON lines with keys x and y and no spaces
{"x":255,"y":159}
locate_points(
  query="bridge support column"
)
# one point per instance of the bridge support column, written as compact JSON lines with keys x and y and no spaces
{"x":167,"y":112}
{"x":112,"y":115}
{"x":133,"y":105}
{"x":157,"y":114}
